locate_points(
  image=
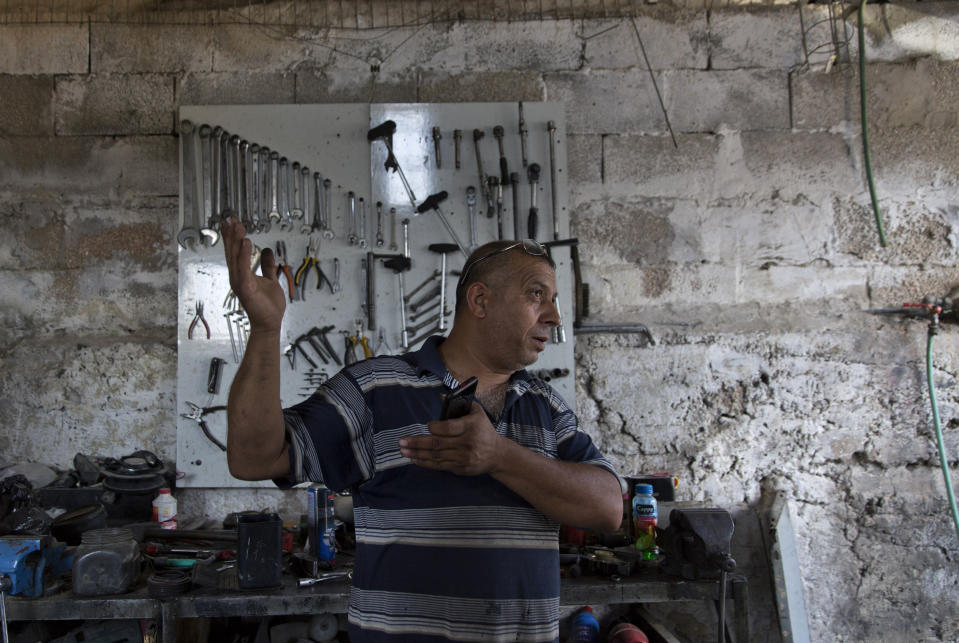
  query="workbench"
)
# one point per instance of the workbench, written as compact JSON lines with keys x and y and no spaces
{"x":648,"y":586}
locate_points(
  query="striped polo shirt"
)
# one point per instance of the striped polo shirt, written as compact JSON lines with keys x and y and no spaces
{"x":439,"y":556}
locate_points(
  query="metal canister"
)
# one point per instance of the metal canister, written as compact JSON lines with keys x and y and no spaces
{"x":322,"y":525}
{"x":106,"y":562}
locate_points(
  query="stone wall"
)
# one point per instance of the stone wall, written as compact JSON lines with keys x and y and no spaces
{"x":748,"y":248}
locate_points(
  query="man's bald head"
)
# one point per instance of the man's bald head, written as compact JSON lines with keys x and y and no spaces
{"x":494,"y":262}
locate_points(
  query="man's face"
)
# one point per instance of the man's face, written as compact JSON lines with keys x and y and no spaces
{"x":521,"y":312}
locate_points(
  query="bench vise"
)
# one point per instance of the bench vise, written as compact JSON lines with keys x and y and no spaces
{"x":31,"y":564}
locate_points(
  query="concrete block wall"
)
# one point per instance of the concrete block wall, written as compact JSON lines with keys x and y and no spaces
{"x":748,"y":248}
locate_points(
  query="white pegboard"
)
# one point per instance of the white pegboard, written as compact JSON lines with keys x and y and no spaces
{"x":332,"y":140}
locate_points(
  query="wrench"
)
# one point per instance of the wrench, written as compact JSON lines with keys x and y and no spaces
{"x":265,"y":182}
{"x":532,"y":223}
{"x":209,"y":236}
{"x":497,"y":189}
{"x":498,"y":133}
{"x":310,"y":222}
{"x":361,"y":233}
{"x":393,"y":229}
{"x":514,"y":180}
{"x":426,"y":282}
{"x":379,"y":224}
{"x":326,"y":221}
{"x":284,"y":194}
{"x":477,"y":135}
{"x":274,"y":212}
{"x":217,"y":173}
{"x":317,"y":224}
{"x":471,"y":206}
{"x":406,"y":238}
{"x":523,"y":133}
{"x":252,"y":185}
{"x":457,"y":137}
{"x":551,"y":128}
{"x":432,"y":309}
{"x":436,"y":147}
{"x":188,"y":235}
{"x":336,"y":275}
{"x":351,"y":237}
{"x":296,"y":191}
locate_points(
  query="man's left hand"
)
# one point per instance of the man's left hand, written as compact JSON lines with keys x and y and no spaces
{"x":467,"y":445}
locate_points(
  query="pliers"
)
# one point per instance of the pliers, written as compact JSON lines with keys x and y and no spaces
{"x":351,"y":341}
{"x":311,"y":260}
{"x":196,"y":414}
{"x":198,"y":317}
{"x":284,"y":266}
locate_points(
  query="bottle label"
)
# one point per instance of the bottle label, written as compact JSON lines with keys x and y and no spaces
{"x":646,"y":511}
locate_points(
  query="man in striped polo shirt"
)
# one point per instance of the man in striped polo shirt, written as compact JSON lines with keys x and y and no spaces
{"x":456,"y":521}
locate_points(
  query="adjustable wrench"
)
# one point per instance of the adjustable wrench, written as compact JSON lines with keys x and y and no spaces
{"x":188,"y":235}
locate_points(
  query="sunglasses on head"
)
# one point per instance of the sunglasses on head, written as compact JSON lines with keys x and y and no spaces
{"x":530,"y":247}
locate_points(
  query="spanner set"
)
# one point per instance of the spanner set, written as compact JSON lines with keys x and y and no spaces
{"x":353,"y":225}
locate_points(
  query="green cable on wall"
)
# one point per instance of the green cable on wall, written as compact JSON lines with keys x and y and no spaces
{"x":933,"y":331}
{"x":865,"y":127}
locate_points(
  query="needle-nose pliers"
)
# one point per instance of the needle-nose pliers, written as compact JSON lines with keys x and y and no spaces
{"x":198,"y":317}
{"x":284,"y":266}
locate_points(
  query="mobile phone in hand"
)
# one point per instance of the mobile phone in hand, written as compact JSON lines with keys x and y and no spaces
{"x":458,"y":403}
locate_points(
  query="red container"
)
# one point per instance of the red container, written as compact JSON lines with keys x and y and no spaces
{"x":626,"y":633}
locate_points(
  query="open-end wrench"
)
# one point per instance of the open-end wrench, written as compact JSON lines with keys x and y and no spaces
{"x":188,"y":235}
{"x":265,"y":184}
{"x":432,"y":319}
{"x":523,"y":133}
{"x":336,"y":275}
{"x":208,"y":235}
{"x":216,"y":176}
{"x":310,"y":221}
{"x":326,"y":219}
{"x":498,"y":133}
{"x":551,"y":128}
{"x":351,"y":237}
{"x":379,"y":224}
{"x":478,"y":134}
{"x":223,"y":186}
{"x":232,"y":174}
{"x":283,"y":199}
{"x":471,"y":207}
{"x":532,"y":223}
{"x":457,"y":137}
{"x":361,"y":232}
{"x":274,"y":212}
{"x":253,"y":185}
{"x":296,"y":198}
{"x":436,"y":147}
{"x":406,"y":238}
{"x":393,"y":245}
{"x":425,"y":298}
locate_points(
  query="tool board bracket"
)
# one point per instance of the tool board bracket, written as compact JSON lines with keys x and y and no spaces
{"x":332,"y":140}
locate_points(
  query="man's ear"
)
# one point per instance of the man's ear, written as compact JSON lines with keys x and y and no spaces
{"x":477,"y":298}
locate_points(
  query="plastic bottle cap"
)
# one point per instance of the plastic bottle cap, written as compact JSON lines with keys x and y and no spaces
{"x":587,"y":609}
{"x":644,"y":489}
{"x":164,"y":490}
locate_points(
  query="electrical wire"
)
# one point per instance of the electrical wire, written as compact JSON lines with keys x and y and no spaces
{"x":865,"y":126}
{"x":933,"y":331}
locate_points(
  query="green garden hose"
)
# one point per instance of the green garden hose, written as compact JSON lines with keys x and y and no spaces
{"x":865,"y":127}
{"x":933,"y":331}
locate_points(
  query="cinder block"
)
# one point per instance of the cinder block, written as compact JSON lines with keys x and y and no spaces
{"x":906,"y":30}
{"x":673,"y":39}
{"x":706,"y":101}
{"x":486,"y":87}
{"x":755,"y":37}
{"x":653,"y":166}
{"x":600,"y":102}
{"x":340,"y":87}
{"x":121,"y":167}
{"x":27,"y":105}
{"x":150,"y":48}
{"x":44,"y":49}
{"x":547,"y":45}
{"x":236,"y":88}
{"x":584,"y":158}
{"x":245,"y":48}
{"x":114,"y":104}
{"x":793,"y":164}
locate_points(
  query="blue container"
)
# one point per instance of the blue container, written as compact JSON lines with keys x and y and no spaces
{"x":585,"y":627}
